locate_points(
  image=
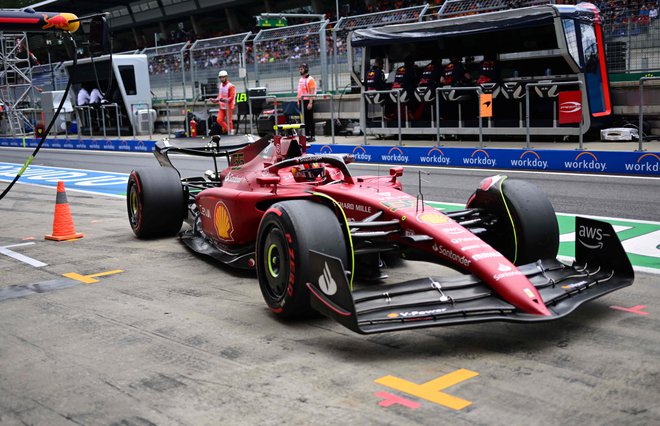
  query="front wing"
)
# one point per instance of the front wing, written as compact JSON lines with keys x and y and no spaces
{"x":601,"y":267}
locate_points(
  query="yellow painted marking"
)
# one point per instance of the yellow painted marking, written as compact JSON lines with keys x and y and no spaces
{"x":430,"y":390}
{"x":90,"y":279}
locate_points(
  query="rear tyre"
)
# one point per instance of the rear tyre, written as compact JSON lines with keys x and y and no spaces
{"x":155,"y":201}
{"x":525,"y":227}
{"x":288,"y":231}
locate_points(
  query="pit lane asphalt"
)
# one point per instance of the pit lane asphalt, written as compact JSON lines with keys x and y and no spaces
{"x":167,"y":337}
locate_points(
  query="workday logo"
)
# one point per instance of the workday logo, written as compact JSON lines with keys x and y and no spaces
{"x":395,"y":154}
{"x":480,"y":157}
{"x":435,"y":156}
{"x":586,"y":161}
{"x":530,"y":160}
{"x":325,"y":149}
{"x":140,"y":146}
{"x":648,"y":162}
{"x":360,"y":154}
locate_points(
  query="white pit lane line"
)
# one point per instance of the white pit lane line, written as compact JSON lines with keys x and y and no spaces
{"x":21,"y":257}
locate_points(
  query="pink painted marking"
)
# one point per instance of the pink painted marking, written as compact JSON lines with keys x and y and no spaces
{"x":634,"y":310}
{"x":389,"y":399}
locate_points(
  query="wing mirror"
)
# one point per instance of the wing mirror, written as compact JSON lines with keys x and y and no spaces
{"x":396,"y":172}
{"x":269,"y":180}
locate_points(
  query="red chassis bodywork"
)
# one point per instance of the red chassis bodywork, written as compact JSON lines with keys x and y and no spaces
{"x":309,"y":228}
{"x":230,"y":215}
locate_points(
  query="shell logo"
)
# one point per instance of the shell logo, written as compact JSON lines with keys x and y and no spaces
{"x":433,"y":218}
{"x":393,"y":315}
{"x":223,"y":226}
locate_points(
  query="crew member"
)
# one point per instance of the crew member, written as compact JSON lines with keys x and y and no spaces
{"x":455,"y":73}
{"x":490,"y":70}
{"x":83,"y":96}
{"x":405,"y":78}
{"x":226,"y":99}
{"x":376,"y":76}
{"x":307,"y":86}
{"x":95,"y":97}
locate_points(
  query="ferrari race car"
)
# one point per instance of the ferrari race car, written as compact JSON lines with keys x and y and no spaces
{"x":313,"y":232}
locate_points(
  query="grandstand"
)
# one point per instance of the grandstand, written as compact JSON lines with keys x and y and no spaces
{"x":187,"y":41}
{"x":631,"y":26}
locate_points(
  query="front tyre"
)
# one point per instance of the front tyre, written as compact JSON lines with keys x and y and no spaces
{"x":287,"y":232}
{"x":525,"y":226}
{"x":155,"y":201}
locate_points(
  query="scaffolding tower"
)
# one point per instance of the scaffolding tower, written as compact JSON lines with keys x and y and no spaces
{"x":17,"y":92}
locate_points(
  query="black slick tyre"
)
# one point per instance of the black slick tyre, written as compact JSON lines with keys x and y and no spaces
{"x":526,"y":228}
{"x":287,"y":232}
{"x":155,"y":201}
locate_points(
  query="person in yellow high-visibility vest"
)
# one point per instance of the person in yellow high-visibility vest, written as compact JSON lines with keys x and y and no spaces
{"x":226,"y":100}
{"x":307,"y":86}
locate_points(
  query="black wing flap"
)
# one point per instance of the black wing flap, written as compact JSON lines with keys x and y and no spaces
{"x":434,"y":301}
{"x":237,"y":257}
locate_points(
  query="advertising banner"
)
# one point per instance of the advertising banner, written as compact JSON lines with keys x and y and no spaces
{"x":570,"y":107}
{"x":485,"y":105}
{"x":619,"y":162}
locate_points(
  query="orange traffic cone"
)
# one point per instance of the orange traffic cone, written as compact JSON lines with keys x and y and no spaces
{"x":63,"y":228}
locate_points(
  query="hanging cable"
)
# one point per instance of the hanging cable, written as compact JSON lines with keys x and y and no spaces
{"x":68,"y":38}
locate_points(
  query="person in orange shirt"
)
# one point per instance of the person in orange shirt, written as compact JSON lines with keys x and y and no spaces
{"x":226,"y":99}
{"x":307,"y":86}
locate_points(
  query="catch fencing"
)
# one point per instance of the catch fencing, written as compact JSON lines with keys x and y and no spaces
{"x":340,"y":32}
{"x":167,"y":66}
{"x":211,"y":55}
{"x":278,"y":52}
{"x":271,"y":57}
{"x":632,"y":45}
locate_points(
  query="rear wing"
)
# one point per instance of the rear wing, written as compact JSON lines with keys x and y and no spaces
{"x":601,"y":267}
{"x":213,"y":149}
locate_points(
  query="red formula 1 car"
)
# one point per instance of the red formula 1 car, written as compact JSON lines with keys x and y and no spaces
{"x":310,"y":230}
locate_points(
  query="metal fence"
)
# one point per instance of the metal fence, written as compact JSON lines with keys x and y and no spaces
{"x":341,"y":67}
{"x":454,"y":8}
{"x":211,"y":55}
{"x":49,"y":77}
{"x":278,"y":52}
{"x":633,"y":45}
{"x":272,"y":57}
{"x":167,"y":66}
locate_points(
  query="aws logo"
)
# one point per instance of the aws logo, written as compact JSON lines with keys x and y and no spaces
{"x":361,"y":154}
{"x":480,"y":157}
{"x":586,"y":161}
{"x":530,"y":160}
{"x":646,"y":163}
{"x":395,"y":154}
{"x":222,"y":221}
{"x":435,"y":156}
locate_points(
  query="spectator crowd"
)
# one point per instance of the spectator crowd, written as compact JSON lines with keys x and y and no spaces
{"x":620,"y":17}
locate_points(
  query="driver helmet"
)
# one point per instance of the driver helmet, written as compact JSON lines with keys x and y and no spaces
{"x":308,"y":172}
{"x":222,"y":73}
